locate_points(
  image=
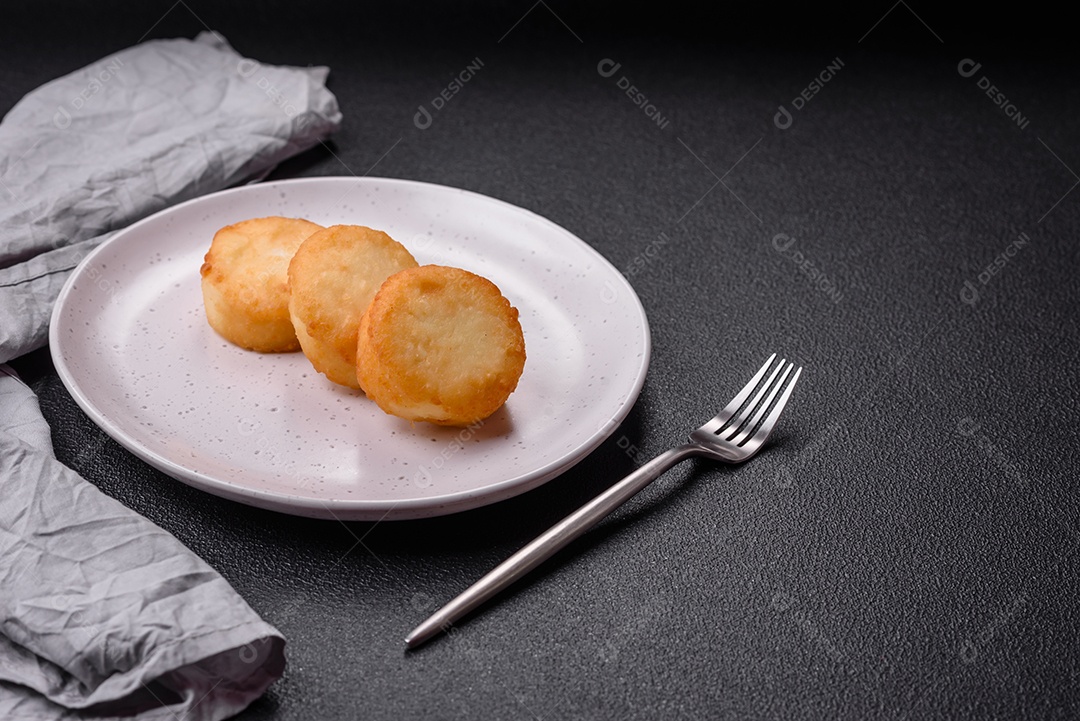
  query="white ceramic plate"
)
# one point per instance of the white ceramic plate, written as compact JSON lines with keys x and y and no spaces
{"x":131,"y":343}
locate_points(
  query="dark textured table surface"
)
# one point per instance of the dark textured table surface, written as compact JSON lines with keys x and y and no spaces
{"x":906,"y":547}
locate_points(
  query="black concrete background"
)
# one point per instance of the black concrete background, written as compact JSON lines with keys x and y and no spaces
{"x":907,"y":545}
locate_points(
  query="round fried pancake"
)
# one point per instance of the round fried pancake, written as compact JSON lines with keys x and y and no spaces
{"x":245,"y":282}
{"x":332,"y":279}
{"x":440,"y":345}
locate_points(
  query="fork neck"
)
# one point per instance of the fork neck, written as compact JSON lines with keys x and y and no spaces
{"x":667,"y":459}
{"x":679,"y":453}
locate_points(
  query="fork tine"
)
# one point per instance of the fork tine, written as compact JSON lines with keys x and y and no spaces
{"x":721,"y":419}
{"x":736,"y":425}
{"x":756,"y":411}
{"x":766,"y":426}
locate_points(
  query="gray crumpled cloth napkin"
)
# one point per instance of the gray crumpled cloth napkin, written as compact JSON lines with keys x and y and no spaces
{"x":102,"y":614}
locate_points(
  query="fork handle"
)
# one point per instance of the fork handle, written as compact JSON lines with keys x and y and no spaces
{"x":547,"y":544}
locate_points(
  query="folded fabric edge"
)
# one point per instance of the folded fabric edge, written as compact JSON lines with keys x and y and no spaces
{"x":28,"y":292}
{"x":21,"y":412}
{"x":217,"y":684}
{"x":165,"y":699}
{"x":229,"y":671}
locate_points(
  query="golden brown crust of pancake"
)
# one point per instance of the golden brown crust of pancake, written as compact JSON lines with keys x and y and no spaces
{"x":441,"y":345}
{"x":245,"y":282}
{"x":332,"y":278}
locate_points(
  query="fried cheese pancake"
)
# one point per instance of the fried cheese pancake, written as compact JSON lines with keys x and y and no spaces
{"x":244,"y":282}
{"x":332,"y":279}
{"x":441,"y":345}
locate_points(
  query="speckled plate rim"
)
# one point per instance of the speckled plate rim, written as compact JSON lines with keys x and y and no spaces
{"x":353,"y":509}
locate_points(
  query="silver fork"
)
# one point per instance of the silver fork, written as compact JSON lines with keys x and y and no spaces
{"x":733,"y":436}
